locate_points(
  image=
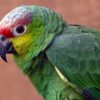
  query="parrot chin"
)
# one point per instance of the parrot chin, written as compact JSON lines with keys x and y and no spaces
{"x":6,"y":47}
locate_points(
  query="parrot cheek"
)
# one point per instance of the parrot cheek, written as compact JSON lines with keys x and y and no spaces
{"x":20,"y":49}
{"x":21,"y":44}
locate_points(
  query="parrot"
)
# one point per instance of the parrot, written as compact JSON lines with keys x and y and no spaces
{"x":61,"y":60}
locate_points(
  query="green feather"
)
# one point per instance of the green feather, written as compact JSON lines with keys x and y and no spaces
{"x":76,"y":53}
{"x":73,"y":49}
{"x":42,"y":30}
{"x":30,"y":55}
{"x":48,"y":83}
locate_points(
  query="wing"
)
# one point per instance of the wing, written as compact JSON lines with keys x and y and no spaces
{"x":76,"y":53}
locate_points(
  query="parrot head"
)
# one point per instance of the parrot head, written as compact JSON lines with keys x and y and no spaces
{"x":28,"y":30}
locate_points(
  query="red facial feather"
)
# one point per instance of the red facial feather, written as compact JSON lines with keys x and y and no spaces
{"x":6,"y":32}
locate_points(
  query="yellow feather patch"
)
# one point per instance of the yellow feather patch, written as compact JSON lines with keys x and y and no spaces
{"x":20,"y":43}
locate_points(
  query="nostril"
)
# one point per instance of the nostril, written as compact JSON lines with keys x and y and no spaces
{"x":2,"y":38}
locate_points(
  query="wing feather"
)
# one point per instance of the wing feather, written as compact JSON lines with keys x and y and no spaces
{"x":76,"y":53}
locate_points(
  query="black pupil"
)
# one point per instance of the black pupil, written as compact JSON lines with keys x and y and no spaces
{"x":20,"y":29}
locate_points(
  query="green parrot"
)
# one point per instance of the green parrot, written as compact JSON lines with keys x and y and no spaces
{"x":61,"y":60}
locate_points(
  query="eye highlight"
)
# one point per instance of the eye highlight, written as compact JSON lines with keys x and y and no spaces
{"x":19,"y":30}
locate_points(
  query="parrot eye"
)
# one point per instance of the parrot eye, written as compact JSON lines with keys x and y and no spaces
{"x":19,"y":30}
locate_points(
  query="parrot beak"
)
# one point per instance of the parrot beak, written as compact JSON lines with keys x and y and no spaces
{"x":5,"y":47}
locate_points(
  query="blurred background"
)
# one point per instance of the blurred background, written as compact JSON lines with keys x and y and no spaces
{"x":13,"y":84}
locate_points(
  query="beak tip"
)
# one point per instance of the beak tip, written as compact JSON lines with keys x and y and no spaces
{"x":4,"y":58}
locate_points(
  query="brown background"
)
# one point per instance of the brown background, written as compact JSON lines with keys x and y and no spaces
{"x":13,"y":84}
